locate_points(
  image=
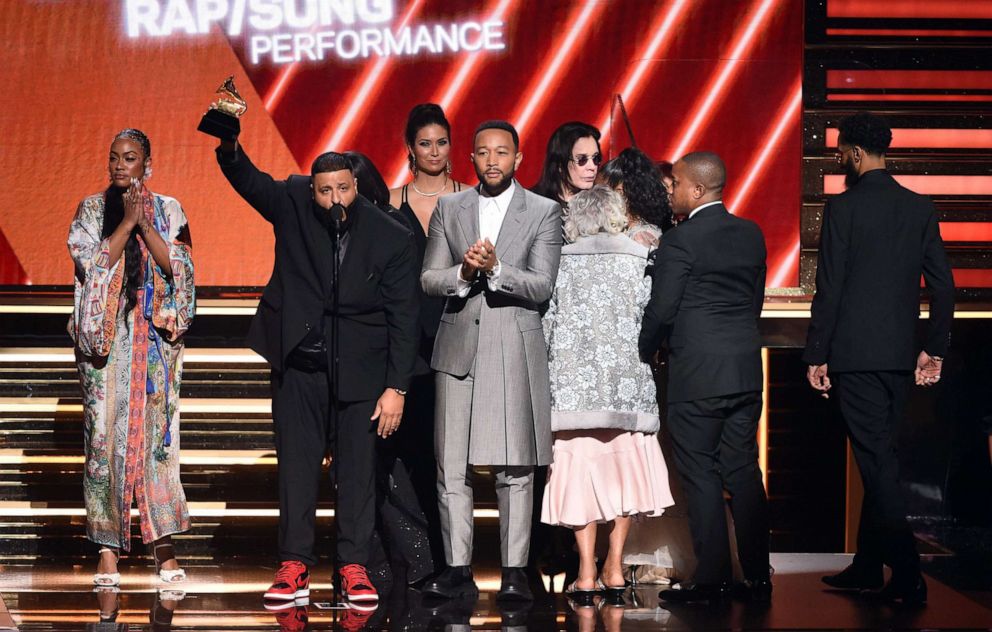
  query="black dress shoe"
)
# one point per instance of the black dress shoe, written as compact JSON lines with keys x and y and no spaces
{"x":455,"y":581}
{"x":759,"y":591}
{"x":514,"y":585}
{"x":697,"y":593}
{"x":433,"y":613}
{"x":909,"y":592}
{"x":855,"y":578}
{"x":513,"y":613}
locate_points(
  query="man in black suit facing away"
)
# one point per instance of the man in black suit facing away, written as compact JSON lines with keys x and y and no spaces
{"x":707,"y":293}
{"x":877,"y":239}
{"x":378,"y":335}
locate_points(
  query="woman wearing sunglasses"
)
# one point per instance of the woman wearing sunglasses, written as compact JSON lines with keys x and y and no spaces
{"x":571,"y":163}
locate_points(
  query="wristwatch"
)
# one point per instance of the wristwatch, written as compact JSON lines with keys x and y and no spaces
{"x":400,"y":392}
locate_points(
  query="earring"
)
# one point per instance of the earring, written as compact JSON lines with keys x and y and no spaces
{"x":447,"y":167}
{"x":412,"y":164}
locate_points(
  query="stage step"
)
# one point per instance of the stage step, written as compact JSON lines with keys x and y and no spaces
{"x":227,"y":462}
{"x":207,"y":373}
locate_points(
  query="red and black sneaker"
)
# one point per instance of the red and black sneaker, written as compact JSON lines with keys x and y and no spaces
{"x":355,"y":584}
{"x":355,"y":617}
{"x":293,"y":619}
{"x":292,"y":582}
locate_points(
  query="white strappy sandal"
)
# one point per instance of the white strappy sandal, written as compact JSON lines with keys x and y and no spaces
{"x":169,"y":576}
{"x":108,"y":579}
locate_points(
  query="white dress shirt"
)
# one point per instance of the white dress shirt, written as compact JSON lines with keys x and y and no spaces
{"x":702,"y":206}
{"x":492,"y":212}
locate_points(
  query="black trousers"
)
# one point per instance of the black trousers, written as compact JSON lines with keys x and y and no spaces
{"x":871,"y":405}
{"x":716,"y":448}
{"x":304,"y":429}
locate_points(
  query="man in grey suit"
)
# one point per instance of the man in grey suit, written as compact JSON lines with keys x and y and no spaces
{"x":492,"y":252}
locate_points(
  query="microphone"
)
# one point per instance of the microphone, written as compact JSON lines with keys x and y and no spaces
{"x":338,"y":213}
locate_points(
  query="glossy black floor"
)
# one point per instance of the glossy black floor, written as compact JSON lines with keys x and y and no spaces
{"x":226,"y":597}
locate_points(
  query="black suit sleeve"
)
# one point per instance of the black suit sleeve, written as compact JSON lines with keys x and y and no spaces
{"x":258,"y":188}
{"x":401,"y":304}
{"x":831,"y":268}
{"x":669,"y":274}
{"x":940,"y":284}
{"x":759,"y":282}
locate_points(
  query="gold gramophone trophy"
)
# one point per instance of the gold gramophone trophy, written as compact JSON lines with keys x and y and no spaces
{"x":223,"y":119}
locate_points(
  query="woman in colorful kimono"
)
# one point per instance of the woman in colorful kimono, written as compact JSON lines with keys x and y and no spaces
{"x":134,"y":299}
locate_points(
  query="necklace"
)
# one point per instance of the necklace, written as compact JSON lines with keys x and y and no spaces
{"x":438,"y":192}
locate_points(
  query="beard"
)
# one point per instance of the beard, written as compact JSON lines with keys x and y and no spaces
{"x":498,"y":187}
{"x":851,"y":176}
{"x":326,"y":216}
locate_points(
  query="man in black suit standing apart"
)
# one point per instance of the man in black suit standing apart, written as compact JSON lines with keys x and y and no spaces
{"x":877,"y":239}
{"x":377,"y":316}
{"x":707,"y":293}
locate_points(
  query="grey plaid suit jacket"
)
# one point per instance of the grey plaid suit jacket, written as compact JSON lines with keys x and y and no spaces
{"x":496,"y":337}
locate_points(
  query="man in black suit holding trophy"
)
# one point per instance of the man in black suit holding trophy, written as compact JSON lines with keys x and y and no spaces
{"x":315,"y":220}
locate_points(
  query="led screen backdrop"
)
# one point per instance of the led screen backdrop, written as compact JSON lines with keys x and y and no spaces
{"x":342,"y":74}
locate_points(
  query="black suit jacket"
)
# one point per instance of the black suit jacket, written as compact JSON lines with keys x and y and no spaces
{"x":877,"y":239}
{"x":379,"y":283}
{"x":707,"y":292}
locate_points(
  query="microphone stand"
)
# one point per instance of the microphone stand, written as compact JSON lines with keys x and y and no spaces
{"x":334,"y":373}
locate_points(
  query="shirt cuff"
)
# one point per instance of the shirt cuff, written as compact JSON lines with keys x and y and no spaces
{"x":462,"y":287}
{"x":493,"y":277}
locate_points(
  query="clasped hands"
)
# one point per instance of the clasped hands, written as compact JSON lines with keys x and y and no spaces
{"x":927,"y":373}
{"x":480,"y":257}
{"x":928,"y":369}
{"x":134,"y":207}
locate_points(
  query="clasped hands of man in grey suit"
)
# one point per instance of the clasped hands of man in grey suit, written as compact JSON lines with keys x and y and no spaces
{"x":480,"y":257}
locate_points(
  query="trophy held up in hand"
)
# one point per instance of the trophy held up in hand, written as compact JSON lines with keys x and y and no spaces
{"x":223,"y":119}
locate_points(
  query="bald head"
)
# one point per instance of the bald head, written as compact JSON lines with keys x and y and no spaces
{"x":707,"y":169}
{"x":697,"y":178}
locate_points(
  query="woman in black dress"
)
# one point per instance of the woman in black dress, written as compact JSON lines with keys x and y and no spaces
{"x":428,"y":142}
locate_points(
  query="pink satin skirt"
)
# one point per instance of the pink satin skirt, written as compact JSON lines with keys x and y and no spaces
{"x":597,"y":475}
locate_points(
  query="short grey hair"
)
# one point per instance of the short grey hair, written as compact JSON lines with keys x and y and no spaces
{"x":596,"y":210}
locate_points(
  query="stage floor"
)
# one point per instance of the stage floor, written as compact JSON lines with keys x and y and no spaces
{"x":228,"y":598}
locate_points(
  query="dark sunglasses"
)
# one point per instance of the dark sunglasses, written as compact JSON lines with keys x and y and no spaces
{"x":582,"y":159}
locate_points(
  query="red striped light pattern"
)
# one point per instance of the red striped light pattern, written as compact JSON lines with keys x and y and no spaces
{"x":926,"y":185}
{"x":920,"y":9}
{"x":933,"y":138}
{"x":703,"y":109}
{"x":966,"y":231}
{"x":909,"y":79}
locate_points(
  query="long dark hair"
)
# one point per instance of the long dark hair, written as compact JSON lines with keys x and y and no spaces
{"x":371,"y":186}
{"x":113,"y":215}
{"x":554,"y":174}
{"x":647,"y":199}
{"x":422,"y":115}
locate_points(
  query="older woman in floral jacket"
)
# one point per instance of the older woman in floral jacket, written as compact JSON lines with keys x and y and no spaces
{"x":607,"y":464}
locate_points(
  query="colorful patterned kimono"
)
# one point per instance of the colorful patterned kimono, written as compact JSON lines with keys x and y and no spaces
{"x":130,"y":366}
